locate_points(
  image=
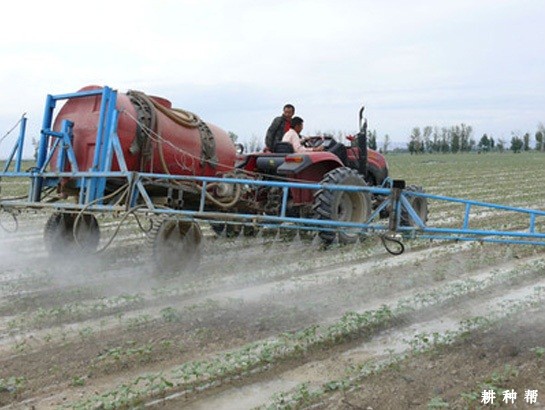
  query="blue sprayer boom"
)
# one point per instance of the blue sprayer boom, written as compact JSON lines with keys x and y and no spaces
{"x":133,"y":154}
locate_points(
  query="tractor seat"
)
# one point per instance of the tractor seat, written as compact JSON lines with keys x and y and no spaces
{"x":283,"y":148}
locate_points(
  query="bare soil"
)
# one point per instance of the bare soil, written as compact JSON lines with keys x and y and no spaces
{"x":73,"y":333}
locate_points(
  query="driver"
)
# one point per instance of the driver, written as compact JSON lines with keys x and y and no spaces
{"x":279,"y":126}
{"x":293,"y":136}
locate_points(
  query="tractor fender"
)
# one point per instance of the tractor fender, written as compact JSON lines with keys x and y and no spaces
{"x":297,"y":163}
{"x":308,"y":168}
{"x":377,"y":168}
{"x":375,"y":175}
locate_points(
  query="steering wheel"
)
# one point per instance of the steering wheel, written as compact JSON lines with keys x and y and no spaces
{"x":316,"y":141}
{"x":312,"y":142}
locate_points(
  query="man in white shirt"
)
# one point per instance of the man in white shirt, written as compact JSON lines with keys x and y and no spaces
{"x":294,"y":138}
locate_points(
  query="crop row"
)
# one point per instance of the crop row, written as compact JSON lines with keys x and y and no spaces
{"x":260,"y":356}
{"x":304,"y":396}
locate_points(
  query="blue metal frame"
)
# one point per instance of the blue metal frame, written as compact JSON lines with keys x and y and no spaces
{"x":107,"y":144}
{"x":17,"y":150}
{"x":92,"y":184}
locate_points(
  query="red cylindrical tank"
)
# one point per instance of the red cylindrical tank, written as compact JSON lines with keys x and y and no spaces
{"x":172,"y":147}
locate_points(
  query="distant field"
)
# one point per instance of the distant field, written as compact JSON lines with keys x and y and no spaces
{"x":473,"y":176}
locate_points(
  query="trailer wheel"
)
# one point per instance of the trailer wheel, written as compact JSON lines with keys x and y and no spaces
{"x":175,"y":245}
{"x":341,"y":205}
{"x":419,"y":204}
{"x":59,"y":234}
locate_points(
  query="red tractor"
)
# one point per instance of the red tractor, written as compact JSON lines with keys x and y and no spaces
{"x":337,"y":164}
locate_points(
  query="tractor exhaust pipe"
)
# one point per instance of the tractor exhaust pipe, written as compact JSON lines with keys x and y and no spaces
{"x":362,"y":144}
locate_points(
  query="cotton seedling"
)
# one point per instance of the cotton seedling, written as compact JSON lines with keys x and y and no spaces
{"x":133,"y":323}
{"x":78,"y":381}
{"x":170,"y":314}
{"x":86,"y":332}
{"x":12,"y":384}
{"x":539,"y":351}
{"x":437,"y":403}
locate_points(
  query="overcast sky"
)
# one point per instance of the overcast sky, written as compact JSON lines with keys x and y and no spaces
{"x":237,"y":62}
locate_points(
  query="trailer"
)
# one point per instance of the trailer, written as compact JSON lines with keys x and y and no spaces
{"x":182,"y":176}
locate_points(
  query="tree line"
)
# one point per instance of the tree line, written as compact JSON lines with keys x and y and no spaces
{"x":428,"y":139}
{"x":459,"y":138}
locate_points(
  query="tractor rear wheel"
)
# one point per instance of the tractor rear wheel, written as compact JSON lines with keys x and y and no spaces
{"x":342,"y":206}
{"x":175,"y":245}
{"x":59,"y":233}
{"x":419,"y":204}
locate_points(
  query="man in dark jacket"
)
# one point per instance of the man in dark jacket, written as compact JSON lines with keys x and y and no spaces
{"x":279,"y":126}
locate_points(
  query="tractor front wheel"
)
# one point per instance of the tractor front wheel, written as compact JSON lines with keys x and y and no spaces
{"x":342,"y":206}
{"x":419,"y":204}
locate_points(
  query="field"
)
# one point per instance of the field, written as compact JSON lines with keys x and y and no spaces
{"x":276,"y":322}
